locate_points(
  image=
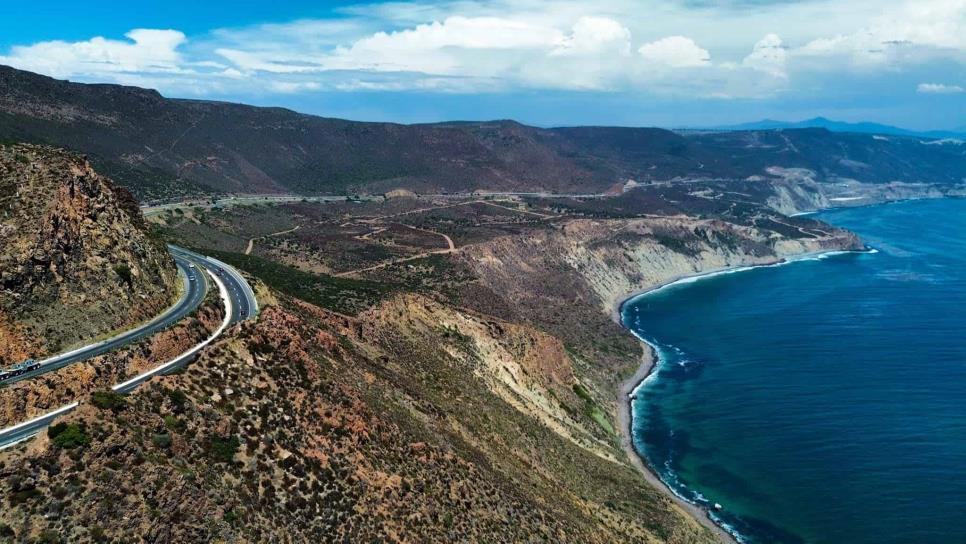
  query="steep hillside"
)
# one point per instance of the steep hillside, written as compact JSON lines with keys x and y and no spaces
{"x":163,"y":148}
{"x":400,"y":425}
{"x":420,"y":372}
{"x":76,"y":259}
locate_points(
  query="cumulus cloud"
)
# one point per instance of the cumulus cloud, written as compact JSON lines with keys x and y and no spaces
{"x":939,"y":88}
{"x":449,"y":52}
{"x":594,"y":35}
{"x":768,"y":55}
{"x":504,"y":45}
{"x":148,"y":50}
{"x":676,"y":52}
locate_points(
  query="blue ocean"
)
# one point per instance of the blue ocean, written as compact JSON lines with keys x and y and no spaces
{"x":822,"y":401}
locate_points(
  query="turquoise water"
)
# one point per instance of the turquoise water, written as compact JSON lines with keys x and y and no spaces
{"x":821,"y":401}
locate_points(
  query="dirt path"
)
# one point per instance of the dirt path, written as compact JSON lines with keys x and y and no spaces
{"x":449,"y":241}
{"x":251,"y":241}
{"x":806,"y":232}
{"x":451,"y":248}
{"x":491,"y":203}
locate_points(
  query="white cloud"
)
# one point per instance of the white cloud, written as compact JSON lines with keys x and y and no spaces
{"x":500,"y":45}
{"x":294,"y":86}
{"x":675,"y":51}
{"x":490,"y":52}
{"x":905,"y":34}
{"x":939,"y":88}
{"x":148,"y":50}
{"x":768,"y":56}
{"x":594,"y":35}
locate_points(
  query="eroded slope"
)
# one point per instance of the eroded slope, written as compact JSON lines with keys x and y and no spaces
{"x":76,"y":259}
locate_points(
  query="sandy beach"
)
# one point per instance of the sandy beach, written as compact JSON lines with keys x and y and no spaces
{"x":648,"y":361}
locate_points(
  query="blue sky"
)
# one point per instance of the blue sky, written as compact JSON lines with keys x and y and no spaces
{"x":566,"y":62}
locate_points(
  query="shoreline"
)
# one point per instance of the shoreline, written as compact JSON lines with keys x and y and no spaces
{"x":650,"y":361}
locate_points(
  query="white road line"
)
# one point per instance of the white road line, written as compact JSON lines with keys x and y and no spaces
{"x":159,"y":369}
{"x":187,"y":291}
{"x":15,"y":428}
{"x":58,"y":411}
{"x":141,"y":377}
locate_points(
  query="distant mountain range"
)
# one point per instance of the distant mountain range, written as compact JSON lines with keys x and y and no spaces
{"x":162,"y":148}
{"x":842,"y":126}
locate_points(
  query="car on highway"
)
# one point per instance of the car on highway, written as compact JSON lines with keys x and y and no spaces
{"x":18,"y":369}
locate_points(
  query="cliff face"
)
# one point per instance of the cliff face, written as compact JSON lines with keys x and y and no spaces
{"x":569,"y":280}
{"x":76,"y":260}
{"x":617,"y":258}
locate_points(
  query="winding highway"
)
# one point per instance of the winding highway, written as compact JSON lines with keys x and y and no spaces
{"x":243,"y":302}
{"x":240,"y":304}
{"x":195,"y":288}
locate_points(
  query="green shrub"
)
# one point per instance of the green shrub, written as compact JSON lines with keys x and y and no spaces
{"x":108,"y":400}
{"x":582,"y":393}
{"x":68,"y":435}
{"x":173,"y":423}
{"x":98,"y":534}
{"x":124,"y":272}
{"x":223,"y":449}
{"x":162,"y":440}
{"x":230,"y":516}
{"x":177,"y":398}
{"x":24,"y":495}
{"x":6,"y":531}
{"x":48,"y":536}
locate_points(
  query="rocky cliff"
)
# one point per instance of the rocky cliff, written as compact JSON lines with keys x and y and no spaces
{"x":76,"y":259}
{"x":616,"y":258}
{"x":570,"y":279}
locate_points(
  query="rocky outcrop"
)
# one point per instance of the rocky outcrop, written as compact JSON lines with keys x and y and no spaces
{"x":614,"y":258}
{"x":795,"y":190}
{"x":76,"y":258}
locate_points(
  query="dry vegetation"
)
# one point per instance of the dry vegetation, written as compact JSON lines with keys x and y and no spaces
{"x":397,"y":388}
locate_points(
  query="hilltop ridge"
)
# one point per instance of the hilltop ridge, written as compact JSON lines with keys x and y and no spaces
{"x":163,"y":148}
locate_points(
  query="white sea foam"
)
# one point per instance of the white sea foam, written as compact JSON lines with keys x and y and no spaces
{"x":730,"y":529}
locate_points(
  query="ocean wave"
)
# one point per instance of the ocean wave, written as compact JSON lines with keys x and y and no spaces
{"x":729,"y":528}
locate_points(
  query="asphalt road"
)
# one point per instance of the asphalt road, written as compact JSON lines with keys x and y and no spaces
{"x":23,"y":431}
{"x":242,"y":306}
{"x":243,"y":302}
{"x":195,"y":289}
